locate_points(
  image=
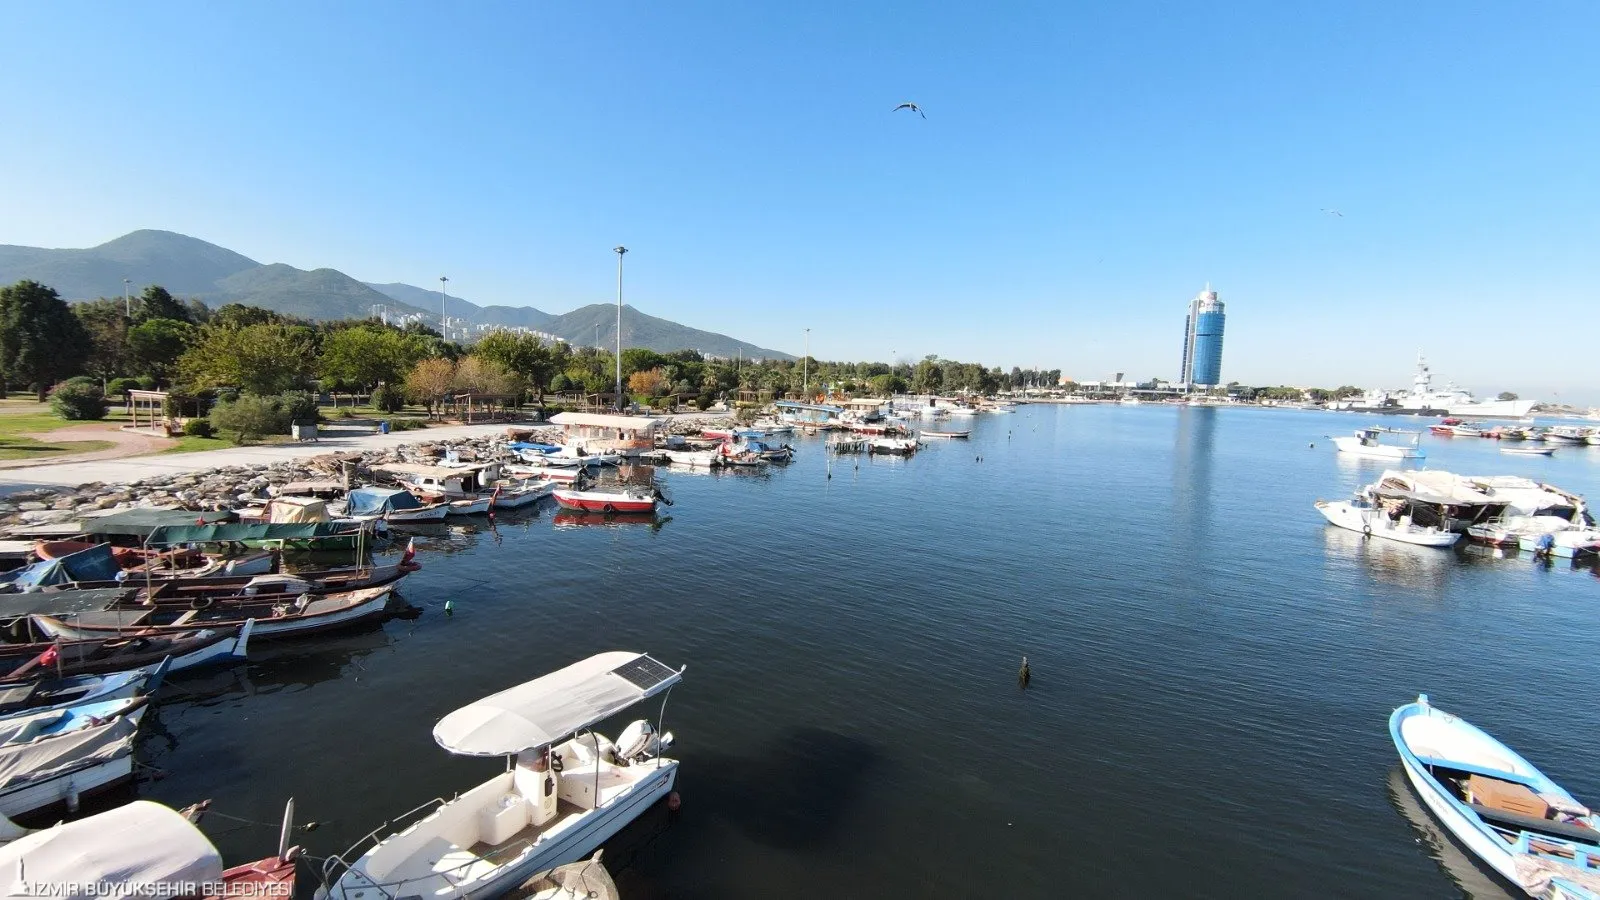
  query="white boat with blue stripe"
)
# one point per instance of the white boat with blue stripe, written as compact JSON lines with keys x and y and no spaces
{"x":1498,"y":805}
{"x":565,"y":789}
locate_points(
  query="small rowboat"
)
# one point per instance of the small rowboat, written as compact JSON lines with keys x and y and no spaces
{"x":1497,"y":804}
{"x":1529,"y":451}
{"x":963,"y":435}
{"x":475,"y":506}
{"x":520,"y":495}
{"x":626,"y":500}
{"x":545,"y":473}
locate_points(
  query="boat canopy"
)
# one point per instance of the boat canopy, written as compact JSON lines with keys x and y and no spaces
{"x":1515,"y":494}
{"x":375,"y":501}
{"x":90,"y":564}
{"x":142,"y":844}
{"x":142,"y":522}
{"x":600,"y":420}
{"x":549,"y":708}
{"x":209,"y":534}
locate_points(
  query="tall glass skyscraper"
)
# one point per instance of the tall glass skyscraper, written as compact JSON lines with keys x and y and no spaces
{"x":1202,"y":340}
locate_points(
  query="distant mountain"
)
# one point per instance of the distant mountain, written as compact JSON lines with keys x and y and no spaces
{"x":423,"y":298}
{"x":190,"y":267}
{"x":183,"y":265}
{"x":641,"y":330}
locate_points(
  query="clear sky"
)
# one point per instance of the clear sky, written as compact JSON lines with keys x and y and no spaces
{"x":1083,"y":169}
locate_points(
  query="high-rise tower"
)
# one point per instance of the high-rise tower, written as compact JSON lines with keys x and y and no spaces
{"x":1202,"y":340}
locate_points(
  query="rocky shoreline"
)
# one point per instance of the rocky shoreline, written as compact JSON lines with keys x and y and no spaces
{"x":230,"y":486}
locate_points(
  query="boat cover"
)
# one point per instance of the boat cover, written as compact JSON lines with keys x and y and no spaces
{"x":142,"y":845}
{"x":1519,"y":495}
{"x":60,"y":603}
{"x":92,"y":564}
{"x":203,"y":534}
{"x":547,"y":709}
{"x":296,"y":510}
{"x":144,"y":521}
{"x":534,"y":446}
{"x":375,"y":501}
{"x":41,"y":758}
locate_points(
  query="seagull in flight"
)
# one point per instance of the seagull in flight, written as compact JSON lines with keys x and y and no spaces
{"x":1334,"y":212}
{"x":911,"y":106}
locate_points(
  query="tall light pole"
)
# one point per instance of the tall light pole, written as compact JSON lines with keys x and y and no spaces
{"x":619,"y":251}
{"x":805,"y":370}
{"x":444,"y":328}
{"x":127,"y":304}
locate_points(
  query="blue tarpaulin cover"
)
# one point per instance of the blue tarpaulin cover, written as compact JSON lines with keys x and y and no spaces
{"x":93,"y":564}
{"x":375,"y":501}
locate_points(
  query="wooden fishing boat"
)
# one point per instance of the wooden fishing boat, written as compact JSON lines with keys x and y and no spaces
{"x":143,"y":845}
{"x":186,"y":590}
{"x":958,"y":435}
{"x":1529,"y":451}
{"x":103,"y":654}
{"x":54,"y":693}
{"x":892,"y":446}
{"x":565,"y":790}
{"x":521,"y":494}
{"x":473,"y":506}
{"x":393,"y":505}
{"x":275,"y":616}
{"x":1497,"y":804}
{"x":626,"y":499}
{"x":557,"y":474}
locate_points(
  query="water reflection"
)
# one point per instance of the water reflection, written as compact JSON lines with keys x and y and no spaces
{"x":1422,"y":569}
{"x":572,"y":518}
{"x":1464,"y":869}
{"x":1194,"y":441}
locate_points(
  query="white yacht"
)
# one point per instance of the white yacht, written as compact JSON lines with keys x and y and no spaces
{"x":1425,"y":400}
{"x":565,"y":789}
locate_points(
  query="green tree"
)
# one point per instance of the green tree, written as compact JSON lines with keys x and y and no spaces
{"x":237,"y":315}
{"x":430,"y":380}
{"x":640,"y":359}
{"x":366,"y":356}
{"x":526,"y":355}
{"x":41,"y":341}
{"x":107,"y":327}
{"x":156,"y":303}
{"x":249,"y":418}
{"x":78,"y":398}
{"x":1507,"y":395}
{"x":156,"y":345}
{"x":257,"y":359}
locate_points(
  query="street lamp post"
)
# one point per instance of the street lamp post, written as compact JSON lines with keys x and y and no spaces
{"x":444,"y":328}
{"x":127,"y":304}
{"x":805,"y":370}
{"x":619,"y":251}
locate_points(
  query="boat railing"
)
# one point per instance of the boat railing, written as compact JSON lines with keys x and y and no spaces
{"x":336,"y":861}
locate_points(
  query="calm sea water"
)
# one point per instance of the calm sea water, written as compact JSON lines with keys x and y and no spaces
{"x":1213,"y":669}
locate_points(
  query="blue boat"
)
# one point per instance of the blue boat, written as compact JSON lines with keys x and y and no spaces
{"x":51,"y":694}
{"x":1498,"y":805}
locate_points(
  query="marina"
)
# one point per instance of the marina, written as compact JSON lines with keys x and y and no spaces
{"x":819,"y":725}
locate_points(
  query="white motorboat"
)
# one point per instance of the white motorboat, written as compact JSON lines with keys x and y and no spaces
{"x":694,"y":459}
{"x":1508,"y":531}
{"x":557,"y":474}
{"x":1375,"y":521}
{"x":892,"y":446}
{"x":1367,"y":443}
{"x":1130,"y":401}
{"x":1566,"y":435}
{"x":1498,"y":805}
{"x":1528,"y":451}
{"x":947,"y":434}
{"x":1566,"y":543}
{"x":561,"y":796}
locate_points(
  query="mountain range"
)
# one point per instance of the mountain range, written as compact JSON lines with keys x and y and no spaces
{"x":190,"y":267}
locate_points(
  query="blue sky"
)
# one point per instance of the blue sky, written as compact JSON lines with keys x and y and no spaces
{"x":1083,"y":169}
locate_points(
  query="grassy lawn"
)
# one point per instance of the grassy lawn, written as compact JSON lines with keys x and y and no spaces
{"x":190,"y":444}
{"x":27,"y":448}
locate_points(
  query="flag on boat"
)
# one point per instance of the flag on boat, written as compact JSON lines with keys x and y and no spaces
{"x":411,"y":551}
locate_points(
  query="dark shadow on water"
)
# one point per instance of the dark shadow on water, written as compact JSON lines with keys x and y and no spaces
{"x":792,"y":796}
{"x":1476,"y":880}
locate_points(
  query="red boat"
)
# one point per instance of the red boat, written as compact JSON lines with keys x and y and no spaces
{"x":628,"y":499}
{"x":1446,"y":427}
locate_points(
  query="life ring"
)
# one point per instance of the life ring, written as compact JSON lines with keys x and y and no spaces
{"x":608,"y":509}
{"x":200,"y":603}
{"x":1367,"y":529}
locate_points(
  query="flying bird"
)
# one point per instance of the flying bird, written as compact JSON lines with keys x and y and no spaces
{"x":1334,"y":212}
{"x":911,"y":106}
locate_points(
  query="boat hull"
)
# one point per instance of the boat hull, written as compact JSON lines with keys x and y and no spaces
{"x":1354,"y":447}
{"x":1376,"y":523}
{"x":474,"y":507}
{"x":66,"y":788}
{"x":372,"y":607}
{"x":606,"y":503}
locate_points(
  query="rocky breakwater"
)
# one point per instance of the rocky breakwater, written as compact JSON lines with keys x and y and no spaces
{"x":231,"y":486}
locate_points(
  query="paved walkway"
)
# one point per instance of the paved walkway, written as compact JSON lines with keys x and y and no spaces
{"x":125,"y":443}
{"x":137,"y":468}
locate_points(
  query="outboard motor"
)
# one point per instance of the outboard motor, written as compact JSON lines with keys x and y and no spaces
{"x":639,"y":742}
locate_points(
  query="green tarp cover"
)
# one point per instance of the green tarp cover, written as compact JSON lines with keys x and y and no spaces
{"x":143,"y":521}
{"x":59,"y":603}
{"x":282,"y":531}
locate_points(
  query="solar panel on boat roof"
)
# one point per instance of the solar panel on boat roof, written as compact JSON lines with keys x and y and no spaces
{"x":644,"y":673}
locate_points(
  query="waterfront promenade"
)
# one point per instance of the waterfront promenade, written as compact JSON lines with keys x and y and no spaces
{"x":136,"y":468}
